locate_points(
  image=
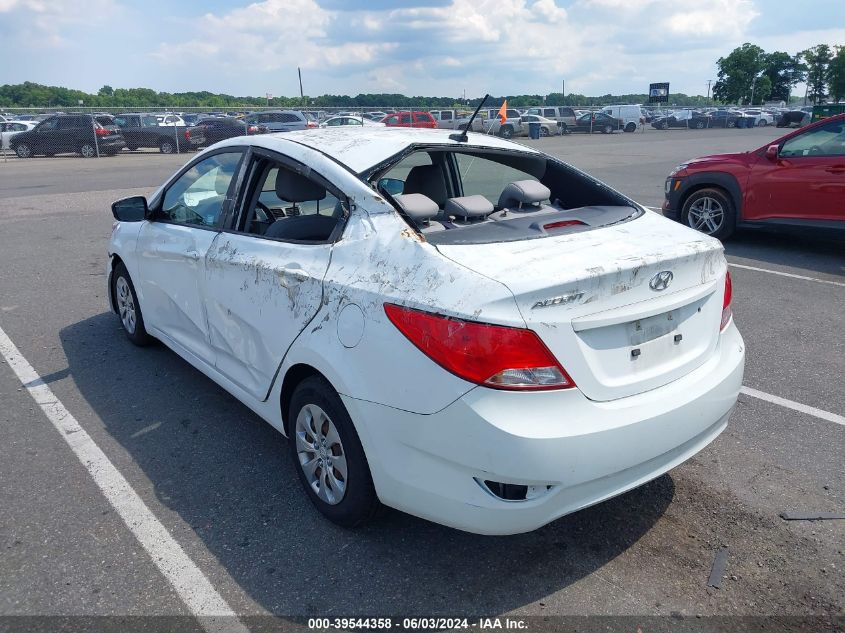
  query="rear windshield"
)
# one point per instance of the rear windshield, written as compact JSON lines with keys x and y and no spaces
{"x":483,"y":196}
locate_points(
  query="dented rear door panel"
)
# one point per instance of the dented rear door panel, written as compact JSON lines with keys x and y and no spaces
{"x":260,"y":294}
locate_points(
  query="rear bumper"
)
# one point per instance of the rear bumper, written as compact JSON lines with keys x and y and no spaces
{"x":574,"y":452}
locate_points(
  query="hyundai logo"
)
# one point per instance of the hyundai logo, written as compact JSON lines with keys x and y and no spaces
{"x":661,"y":280}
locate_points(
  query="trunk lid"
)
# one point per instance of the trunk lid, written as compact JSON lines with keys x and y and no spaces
{"x":588,"y":296}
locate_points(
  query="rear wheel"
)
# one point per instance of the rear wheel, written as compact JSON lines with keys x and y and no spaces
{"x":762,"y":123}
{"x":329,"y":458}
{"x":166,"y":146}
{"x":23,"y":150}
{"x":607,"y":129}
{"x":87,"y":150}
{"x":731,"y":124}
{"x":128,"y":309}
{"x":710,"y":211}
{"x":544,"y":131}
{"x":698,"y":125}
{"x":506,"y":131}
{"x":631,"y":127}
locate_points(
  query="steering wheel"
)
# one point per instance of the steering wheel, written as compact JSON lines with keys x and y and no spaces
{"x":265,"y":211}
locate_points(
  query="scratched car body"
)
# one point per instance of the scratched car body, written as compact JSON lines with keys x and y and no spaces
{"x":467,"y":330}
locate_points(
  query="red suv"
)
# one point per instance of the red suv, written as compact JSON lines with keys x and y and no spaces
{"x":410,"y":119}
{"x":797,"y":180}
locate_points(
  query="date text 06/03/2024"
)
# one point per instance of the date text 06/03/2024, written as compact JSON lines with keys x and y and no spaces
{"x":417,"y":623}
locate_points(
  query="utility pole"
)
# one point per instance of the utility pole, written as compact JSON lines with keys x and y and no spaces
{"x":753,"y":83}
{"x":709,"y":81}
{"x":563,"y":90}
{"x":301,"y":94}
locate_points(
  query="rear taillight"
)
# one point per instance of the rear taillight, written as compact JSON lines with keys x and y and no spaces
{"x":101,"y":131}
{"x":187,"y":135}
{"x":726,"y":302}
{"x":490,"y":355}
{"x":311,"y":124}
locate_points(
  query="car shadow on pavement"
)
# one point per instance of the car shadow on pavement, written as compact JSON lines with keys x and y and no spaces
{"x":808,"y":252}
{"x":227,"y":474}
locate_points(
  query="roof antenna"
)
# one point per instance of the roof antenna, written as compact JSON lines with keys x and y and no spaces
{"x":462,"y":137}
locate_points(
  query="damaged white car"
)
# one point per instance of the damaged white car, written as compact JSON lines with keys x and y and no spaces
{"x":470,"y":331}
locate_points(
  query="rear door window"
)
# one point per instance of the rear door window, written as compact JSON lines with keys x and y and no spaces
{"x":404,"y":119}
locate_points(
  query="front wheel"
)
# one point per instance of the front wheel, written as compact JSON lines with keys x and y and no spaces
{"x":762,"y":123}
{"x":328,"y":455}
{"x":699,"y":125}
{"x":544,"y":131}
{"x":128,"y":309}
{"x":710,"y":211}
{"x":506,"y":132}
{"x":731,"y":124}
{"x":631,"y":127}
{"x":607,"y":129}
{"x":23,"y":151}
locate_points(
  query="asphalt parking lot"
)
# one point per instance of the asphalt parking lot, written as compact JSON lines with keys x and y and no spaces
{"x":220,"y":481}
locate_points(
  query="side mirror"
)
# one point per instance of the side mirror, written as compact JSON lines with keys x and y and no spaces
{"x":772,"y":152}
{"x":392,"y":186}
{"x":133,"y":209}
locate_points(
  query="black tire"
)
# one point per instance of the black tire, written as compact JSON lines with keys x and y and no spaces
{"x":166,"y":146}
{"x":631,"y":127}
{"x":132,"y":148}
{"x":359,"y":503}
{"x":87,"y":150}
{"x":699,"y":125}
{"x":730,"y":124}
{"x":23,"y":150}
{"x":607,"y":129}
{"x":762,"y":123}
{"x":506,"y":131}
{"x":727,"y":224}
{"x":544,"y":131}
{"x":139,"y":335}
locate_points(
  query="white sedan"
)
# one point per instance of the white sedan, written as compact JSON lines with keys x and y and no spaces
{"x":348,"y":119}
{"x":469,"y":331}
{"x":8,"y":129}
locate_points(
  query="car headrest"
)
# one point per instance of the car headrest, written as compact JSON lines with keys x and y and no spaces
{"x":427,"y":180}
{"x":469,"y":207}
{"x":524,"y":192}
{"x":417,"y":206}
{"x":295,"y":187}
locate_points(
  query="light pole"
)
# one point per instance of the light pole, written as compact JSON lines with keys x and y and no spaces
{"x":753,"y":83}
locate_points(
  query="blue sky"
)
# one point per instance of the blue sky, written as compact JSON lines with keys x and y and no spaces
{"x":440,"y":47}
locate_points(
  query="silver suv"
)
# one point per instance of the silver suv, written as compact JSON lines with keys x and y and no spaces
{"x":280,"y":120}
{"x":565,"y":116}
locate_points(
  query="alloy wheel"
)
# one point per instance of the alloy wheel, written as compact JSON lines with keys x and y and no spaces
{"x":125,"y":305}
{"x":321,"y":454}
{"x":706,"y":215}
{"x":87,"y":150}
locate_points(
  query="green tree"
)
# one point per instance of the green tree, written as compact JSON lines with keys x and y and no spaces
{"x":818,"y":61}
{"x":836,"y":74}
{"x":784,"y":72}
{"x":105,"y":91}
{"x":737,"y":72}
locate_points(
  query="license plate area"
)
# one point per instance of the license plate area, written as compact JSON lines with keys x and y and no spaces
{"x":654,"y":327}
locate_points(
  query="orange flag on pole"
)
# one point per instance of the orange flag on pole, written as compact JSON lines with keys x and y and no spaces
{"x":503,"y":113}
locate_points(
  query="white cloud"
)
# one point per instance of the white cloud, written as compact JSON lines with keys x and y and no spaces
{"x":43,"y":23}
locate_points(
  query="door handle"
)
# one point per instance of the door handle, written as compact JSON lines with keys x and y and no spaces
{"x":836,"y":169}
{"x":193,"y":255}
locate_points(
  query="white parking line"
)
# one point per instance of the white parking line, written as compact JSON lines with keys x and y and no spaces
{"x":195,"y":590}
{"x":783,"y":274}
{"x":795,"y":406}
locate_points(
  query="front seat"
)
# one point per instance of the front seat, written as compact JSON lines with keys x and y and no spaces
{"x":427,"y":180}
{"x":295,"y":188}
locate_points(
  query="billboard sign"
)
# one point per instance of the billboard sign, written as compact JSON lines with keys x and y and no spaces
{"x":658,"y":93}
